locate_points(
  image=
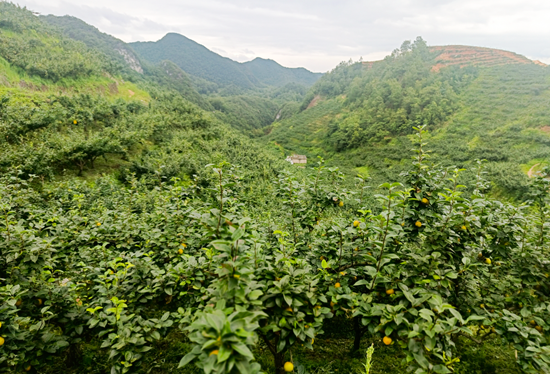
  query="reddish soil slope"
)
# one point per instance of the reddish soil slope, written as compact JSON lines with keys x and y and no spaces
{"x":464,"y":55}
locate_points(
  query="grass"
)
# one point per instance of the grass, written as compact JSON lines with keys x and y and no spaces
{"x":330,"y":356}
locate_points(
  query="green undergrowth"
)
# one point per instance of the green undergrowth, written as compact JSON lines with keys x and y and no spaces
{"x":330,"y":356}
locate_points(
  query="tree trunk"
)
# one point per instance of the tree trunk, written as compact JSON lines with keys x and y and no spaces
{"x":358,"y":334}
{"x":279,"y":363}
{"x":80,"y":167}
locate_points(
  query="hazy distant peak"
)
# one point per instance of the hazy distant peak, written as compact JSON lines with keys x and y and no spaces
{"x":197,"y":60}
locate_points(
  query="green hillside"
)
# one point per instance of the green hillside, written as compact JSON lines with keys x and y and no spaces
{"x":360,"y":115}
{"x":79,"y":116}
{"x":248,"y":111}
{"x":116,"y":49}
{"x":124,"y":59}
{"x":39,"y":50}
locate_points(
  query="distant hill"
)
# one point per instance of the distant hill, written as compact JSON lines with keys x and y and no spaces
{"x":195,"y":59}
{"x":77,"y":29}
{"x":264,"y":95}
{"x":463,"y":55}
{"x":271,"y":73}
{"x":449,"y":55}
{"x":198,"y":61}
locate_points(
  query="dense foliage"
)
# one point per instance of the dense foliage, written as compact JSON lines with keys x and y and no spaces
{"x":236,"y":261}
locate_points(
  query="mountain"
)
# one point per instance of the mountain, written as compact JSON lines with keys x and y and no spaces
{"x":271,"y":73}
{"x":77,"y":29}
{"x":478,"y":103}
{"x":196,"y":60}
{"x":247,"y":112}
{"x":200,"y":62}
{"x":126,"y":61}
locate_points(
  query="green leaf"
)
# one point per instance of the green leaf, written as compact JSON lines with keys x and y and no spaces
{"x":255,"y":294}
{"x":429,"y":343}
{"x":187,"y":359}
{"x":421,"y":360}
{"x":281,"y":345}
{"x":215,"y":319}
{"x":441,"y":369}
{"x":243,"y":350}
{"x":224,"y":353}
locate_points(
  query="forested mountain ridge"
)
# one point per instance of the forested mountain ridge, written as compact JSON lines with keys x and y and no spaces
{"x":196,"y":60}
{"x":77,"y":29}
{"x":271,"y":73}
{"x":123,"y":58}
{"x":494,"y":106}
{"x":200,"y":62}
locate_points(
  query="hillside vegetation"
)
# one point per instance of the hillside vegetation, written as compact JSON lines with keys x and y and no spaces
{"x":116,"y":49}
{"x":361,"y":114}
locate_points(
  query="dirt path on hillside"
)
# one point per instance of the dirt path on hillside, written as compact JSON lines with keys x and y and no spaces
{"x":532,"y":170}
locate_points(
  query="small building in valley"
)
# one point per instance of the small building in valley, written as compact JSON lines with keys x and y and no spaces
{"x":297,"y":159}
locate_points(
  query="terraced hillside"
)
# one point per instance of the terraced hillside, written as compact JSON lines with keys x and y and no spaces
{"x":462,"y":55}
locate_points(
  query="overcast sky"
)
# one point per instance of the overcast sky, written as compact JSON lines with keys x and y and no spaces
{"x":318,"y":34}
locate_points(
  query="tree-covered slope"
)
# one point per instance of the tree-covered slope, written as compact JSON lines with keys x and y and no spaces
{"x":237,"y":96}
{"x":125,"y":60}
{"x":77,"y":29}
{"x":362,"y":113}
{"x":39,"y":49}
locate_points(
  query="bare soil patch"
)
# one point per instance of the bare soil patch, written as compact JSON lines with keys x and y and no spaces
{"x":314,"y":102}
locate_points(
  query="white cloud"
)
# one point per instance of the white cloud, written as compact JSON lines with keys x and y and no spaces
{"x":318,"y":34}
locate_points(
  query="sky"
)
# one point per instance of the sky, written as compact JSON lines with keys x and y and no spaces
{"x":319,"y":34}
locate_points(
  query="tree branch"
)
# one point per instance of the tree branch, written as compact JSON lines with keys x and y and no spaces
{"x":470,"y":337}
{"x":269,"y":345}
